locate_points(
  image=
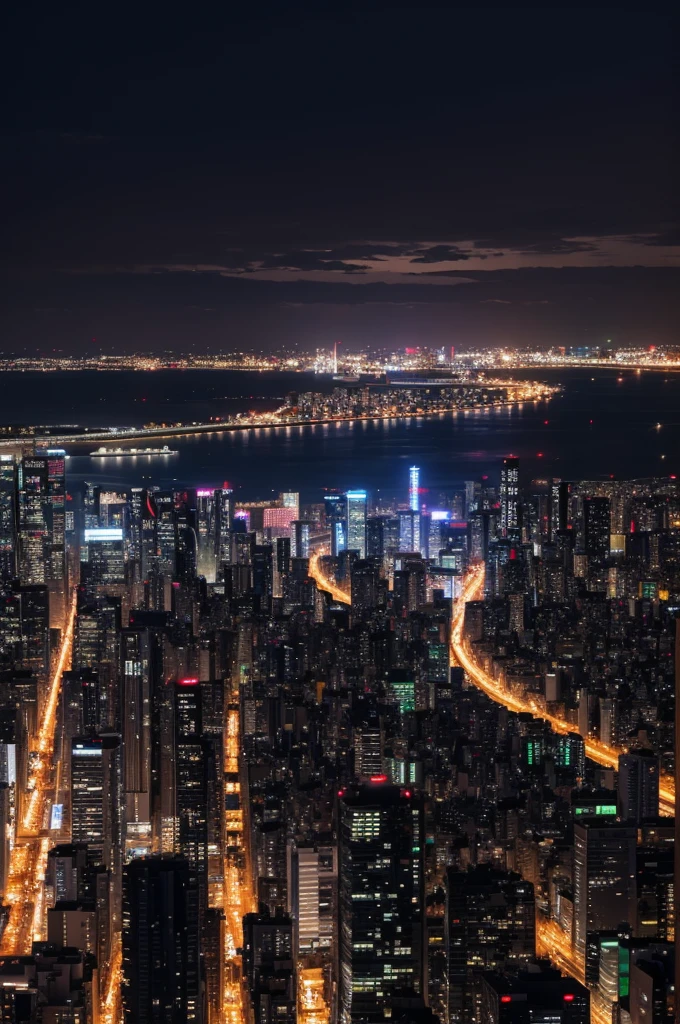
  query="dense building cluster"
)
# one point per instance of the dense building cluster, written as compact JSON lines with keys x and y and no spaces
{"x":260,"y":791}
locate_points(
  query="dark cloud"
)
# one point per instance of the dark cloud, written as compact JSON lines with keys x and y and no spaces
{"x":195,"y":155}
{"x":441,"y":254}
{"x":670,"y":236}
{"x":538,"y":243}
{"x":305,"y":260}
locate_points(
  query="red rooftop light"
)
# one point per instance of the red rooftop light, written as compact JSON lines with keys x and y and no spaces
{"x":568,"y":997}
{"x":506,"y":999}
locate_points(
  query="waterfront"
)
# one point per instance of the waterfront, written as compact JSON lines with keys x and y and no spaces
{"x":605,"y":422}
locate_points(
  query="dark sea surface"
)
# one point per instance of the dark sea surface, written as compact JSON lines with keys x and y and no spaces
{"x":603,"y":423}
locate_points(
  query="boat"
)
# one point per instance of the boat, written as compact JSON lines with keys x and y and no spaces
{"x":347,"y":378}
{"x":105,"y":452}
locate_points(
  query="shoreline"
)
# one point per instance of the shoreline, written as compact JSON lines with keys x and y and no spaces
{"x":160,"y":433}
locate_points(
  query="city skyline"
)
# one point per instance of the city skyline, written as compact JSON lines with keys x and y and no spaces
{"x":340,"y":516}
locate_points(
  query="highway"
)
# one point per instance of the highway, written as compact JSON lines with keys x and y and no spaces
{"x":238,"y":899}
{"x":473,"y":589}
{"x":28,"y":858}
{"x":551,"y":941}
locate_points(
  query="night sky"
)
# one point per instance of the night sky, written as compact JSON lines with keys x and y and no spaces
{"x":392,"y":176}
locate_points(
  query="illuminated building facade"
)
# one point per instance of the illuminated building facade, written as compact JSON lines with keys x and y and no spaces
{"x":509,"y":496}
{"x":381,"y":898}
{"x":356,"y":522}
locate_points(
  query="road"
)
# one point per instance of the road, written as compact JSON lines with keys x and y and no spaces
{"x":473,"y":589}
{"x":551,"y":941}
{"x":238,"y":898}
{"x":28,"y":859}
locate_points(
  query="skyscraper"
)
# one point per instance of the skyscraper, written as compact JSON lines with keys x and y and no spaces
{"x":8,"y":523}
{"x":102,"y":561}
{"x":356,"y":522}
{"x":509,"y":494}
{"x":604,"y":880}
{"x":490,"y":923}
{"x":596,"y":520}
{"x":335,"y":511}
{"x":381,"y":898}
{"x":32,"y":519}
{"x":161,"y":951}
{"x":414,"y":488}
{"x":409,"y":530}
{"x":638,"y":785}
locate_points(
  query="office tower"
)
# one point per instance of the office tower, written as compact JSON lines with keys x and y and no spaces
{"x":596,"y":522}
{"x":490,"y":923}
{"x":291,"y":499}
{"x":571,"y":754}
{"x":301,"y":537}
{"x":367,"y":735}
{"x":280,"y":565}
{"x":206,"y":532}
{"x":509,"y":495}
{"x":161,"y":952}
{"x":224,"y":511}
{"x":96,"y":796}
{"x":191,"y":782}
{"x":8,"y":519}
{"x":55,"y":551}
{"x":604,"y":880}
{"x":414,"y":488}
{"x":335,"y":510}
{"x":356,"y":522}
{"x":25,"y":629}
{"x":638,"y":785}
{"x":381,"y":899}
{"x":434,"y":525}
{"x":166,"y":533}
{"x":32,"y":519}
{"x":268,"y":967}
{"x":365,"y":588}
{"x":528,"y":997}
{"x":654,"y":891}
{"x":409,"y":530}
{"x":135,"y":694}
{"x":87,"y":792}
{"x":312,"y":878}
{"x":375,"y":537}
{"x":102,"y":560}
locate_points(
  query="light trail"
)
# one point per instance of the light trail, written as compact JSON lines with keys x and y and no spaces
{"x":551,"y":941}
{"x":237,"y":895}
{"x":28,"y":858}
{"x":601,"y":753}
{"x":312,"y":1005}
{"x":111,"y":1005}
{"x":324,"y":582}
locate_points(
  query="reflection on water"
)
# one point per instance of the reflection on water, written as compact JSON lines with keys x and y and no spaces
{"x":597,"y":427}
